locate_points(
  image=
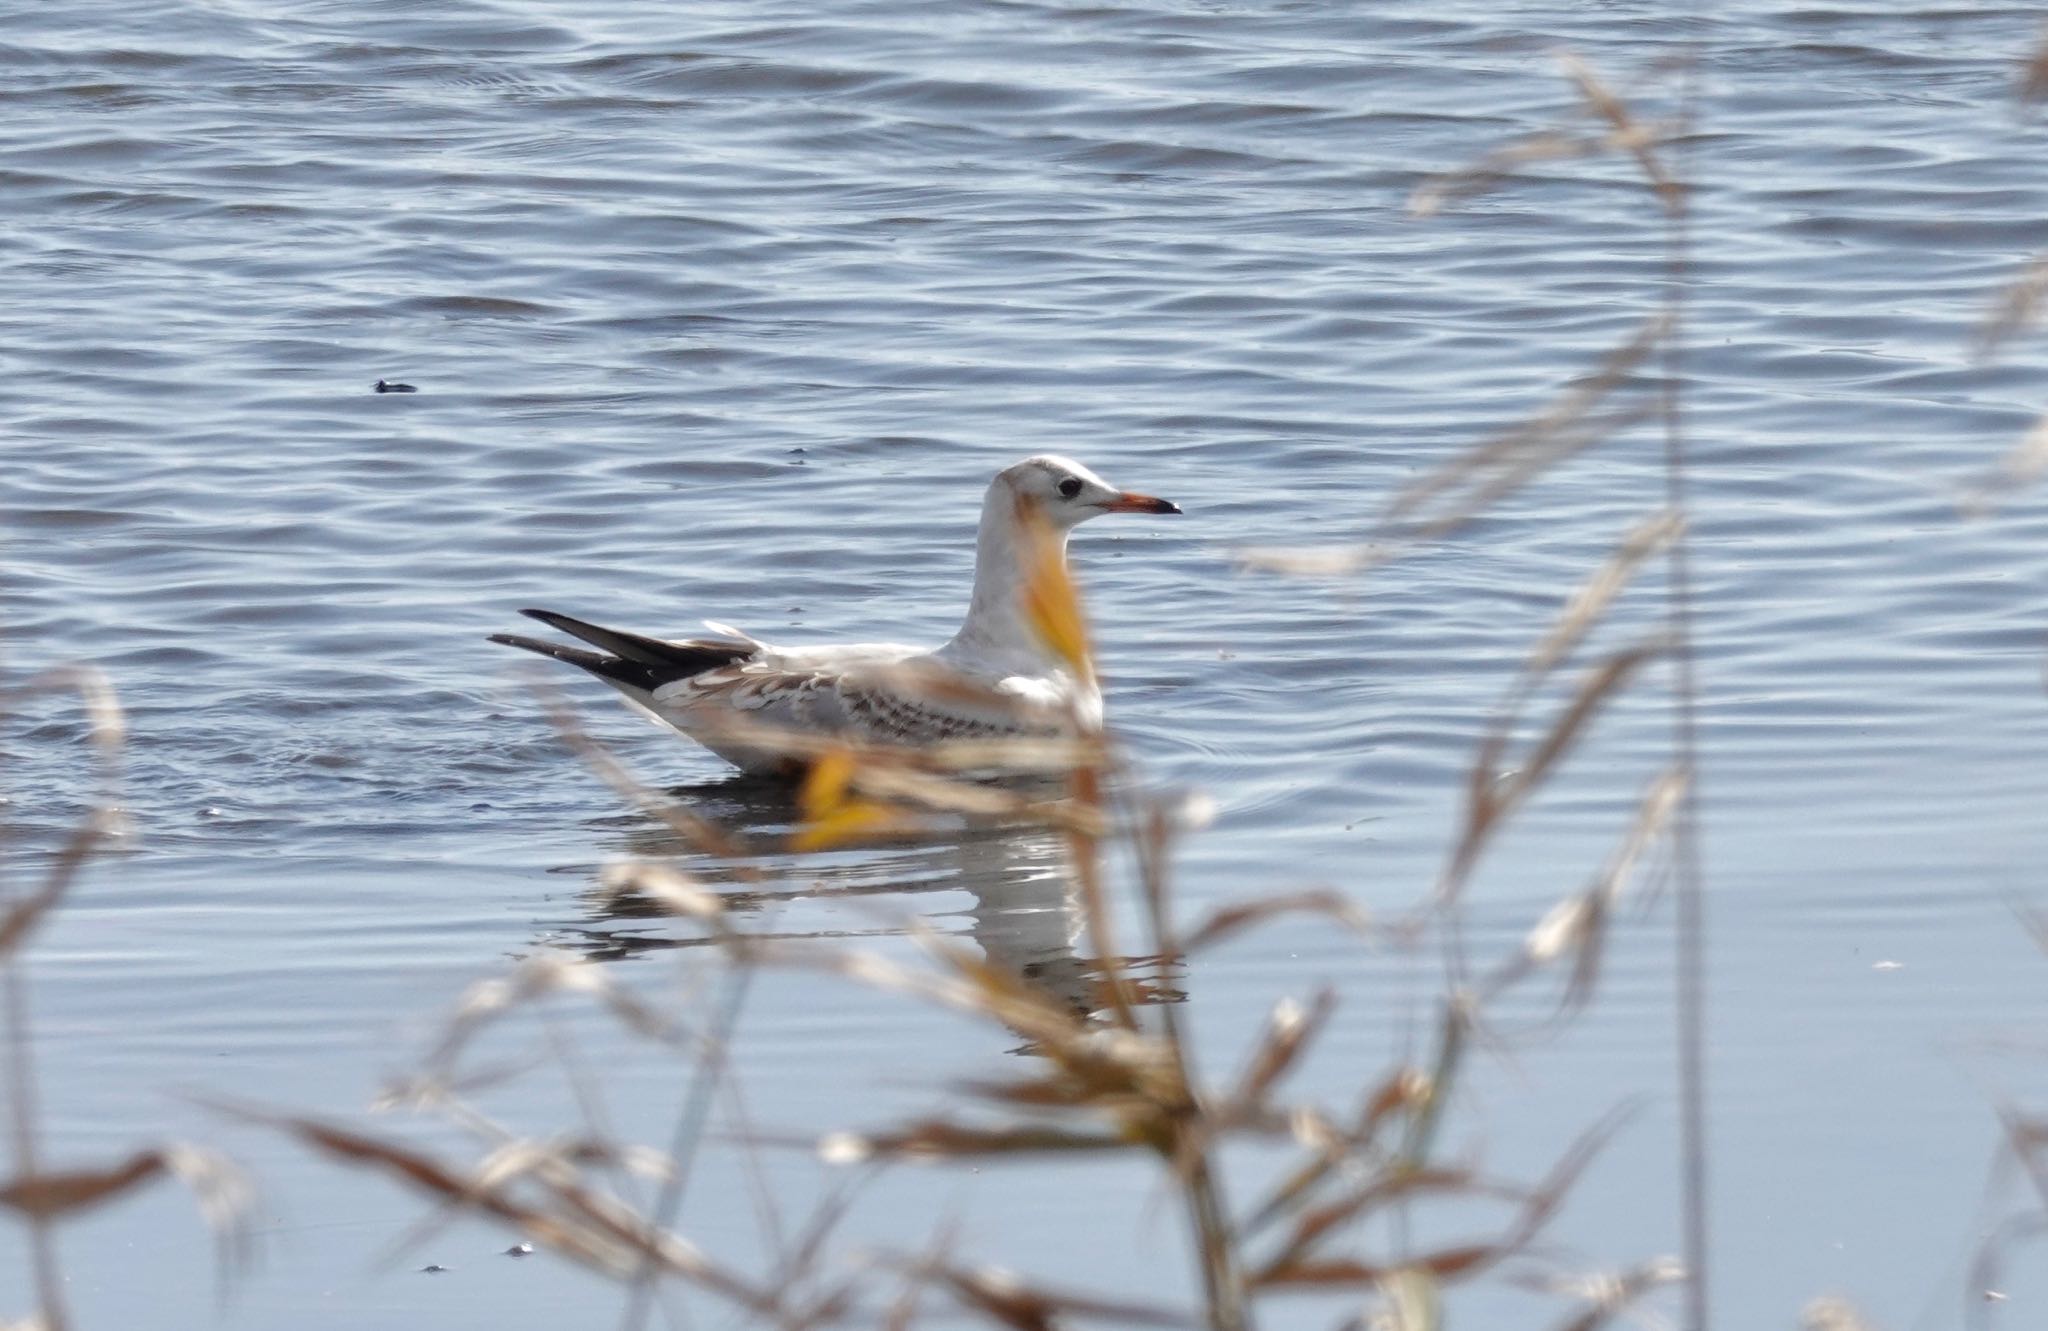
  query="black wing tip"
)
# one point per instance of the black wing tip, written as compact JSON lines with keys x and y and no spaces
{"x":595,"y":634}
{"x":633,"y":674}
{"x":630,"y":658}
{"x":560,"y":651}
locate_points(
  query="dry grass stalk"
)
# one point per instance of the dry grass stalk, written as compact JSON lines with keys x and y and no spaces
{"x":674,"y":892}
{"x":42,"y":1197}
{"x":2025,"y":1153}
{"x":1577,"y":926}
{"x":1424,"y":1096}
{"x":557,"y":1210}
{"x":1636,"y":137}
{"x":690,"y":827}
{"x":531,"y":980}
{"x":1499,"y":166}
{"x":1494,"y":790}
{"x":1301,"y":1263}
{"x":24,"y":915}
{"x":1005,"y":1299}
{"x":66,"y":1192}
{"x":1984,"y":1288}
{"x":1412,"y":1300}
{"x":1469,"y":484}
{"x":106,"y":729}
{"x":2016,"y":309}
{"x":1830,"y":1313}
{"x":1289,"y":1032}
{"x":692,"y":1119}
{"x":1438,"y":504}
{"x":1226,"y":922}
{"x":1332,"y":1151}
{"x":2020,"y":467}
{"x":222,"y":1191}
{"x":1589,"y":604}
{"x":2033,"y":82}
{"x":106,"y":725}
{"x":1608,"y":1295}
{"x":1624,"y":132}
{"x":2035,"y":921}
{"x":1322,"y":561}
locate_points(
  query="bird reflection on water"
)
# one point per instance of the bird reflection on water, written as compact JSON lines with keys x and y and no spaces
{"x":1025,"y":912}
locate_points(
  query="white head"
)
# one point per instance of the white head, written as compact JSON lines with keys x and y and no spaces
{"x":1064,"y":494}
{"x":1067,"y":494}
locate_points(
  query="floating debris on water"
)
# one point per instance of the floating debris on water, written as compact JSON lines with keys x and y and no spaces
{"x":385,"y":387}
{"x":433,"y":1269}
{"x":519,"y":1250}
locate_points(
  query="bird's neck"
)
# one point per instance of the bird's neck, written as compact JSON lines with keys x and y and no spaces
{"x":996,"y":630}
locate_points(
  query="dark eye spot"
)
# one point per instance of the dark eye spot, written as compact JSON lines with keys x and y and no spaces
{"x":1070,"y":487}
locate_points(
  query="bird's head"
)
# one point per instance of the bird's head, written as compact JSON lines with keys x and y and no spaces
{"x":1065,"y":493}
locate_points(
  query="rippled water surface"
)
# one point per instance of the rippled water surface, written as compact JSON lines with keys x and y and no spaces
{"x":730,"y":311}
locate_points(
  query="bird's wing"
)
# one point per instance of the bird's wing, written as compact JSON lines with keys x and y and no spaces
{"x":883,"y":695}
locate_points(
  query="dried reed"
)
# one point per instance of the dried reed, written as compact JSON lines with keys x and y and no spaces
{"x":41,"y":1196}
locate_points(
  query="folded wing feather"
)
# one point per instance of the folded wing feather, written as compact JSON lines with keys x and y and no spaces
{"x":880,"y":700}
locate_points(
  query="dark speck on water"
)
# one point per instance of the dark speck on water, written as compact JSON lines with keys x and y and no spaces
{"x":384,"y":387}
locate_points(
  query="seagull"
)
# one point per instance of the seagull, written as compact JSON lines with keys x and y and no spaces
{"x":997,"y":678}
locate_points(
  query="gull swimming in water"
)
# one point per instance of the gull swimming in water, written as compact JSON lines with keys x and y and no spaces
{"x":996,"y":679}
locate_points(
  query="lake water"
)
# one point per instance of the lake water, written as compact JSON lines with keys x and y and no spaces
{"x":730,"y":311}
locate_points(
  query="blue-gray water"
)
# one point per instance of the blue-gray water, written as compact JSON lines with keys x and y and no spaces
{"x":730,"y":310}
